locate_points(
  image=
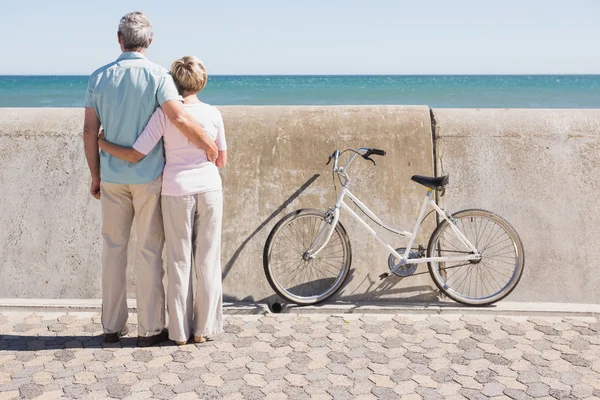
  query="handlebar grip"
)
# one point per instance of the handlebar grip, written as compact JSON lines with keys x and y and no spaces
{"x":378,"y":152}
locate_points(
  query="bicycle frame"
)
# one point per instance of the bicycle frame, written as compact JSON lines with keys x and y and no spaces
{"x":325,"y":235}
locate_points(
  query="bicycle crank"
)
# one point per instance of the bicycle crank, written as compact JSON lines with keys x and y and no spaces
{"x":403,"y":270}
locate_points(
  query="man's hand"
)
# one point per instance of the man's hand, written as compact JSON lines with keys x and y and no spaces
{"x":95,"y":189}
{"x":190,"y":128}
{"x":213,"y":152}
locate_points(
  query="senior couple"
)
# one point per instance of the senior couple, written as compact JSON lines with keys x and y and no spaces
{"x":148,"y":115}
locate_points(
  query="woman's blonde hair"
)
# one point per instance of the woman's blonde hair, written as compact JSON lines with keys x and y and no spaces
{"x":189,"y":74}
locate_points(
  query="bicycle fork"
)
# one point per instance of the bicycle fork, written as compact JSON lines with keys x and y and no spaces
{"x":332,"y":218}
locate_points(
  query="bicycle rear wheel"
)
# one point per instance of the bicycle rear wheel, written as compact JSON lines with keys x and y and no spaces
{"x":478,"y":282}
{"x":290,"y":273}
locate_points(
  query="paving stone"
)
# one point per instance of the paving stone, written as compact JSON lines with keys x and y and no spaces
{"x":30,"y":391}
{"x":21,"y":328}
{"x":582,"y":390}
{"x":514,"y":331}
{"x":575,"y":360}
{"x":295,"y":392}
{"x":473,"y":354}
{"x":161,"y":391}
{"x":402,"y":375}
{"x":251,"y":393}
{"x":362,"y":386}
{"x":377,"y":357}
{"x":517,"y":394}
{"x":528,"y":376}
{"x":231,"y":386}
{"x":493,"y":389}
{"x":25,"y":356}
{"x":255,"y":380}
{"x":341,"y":369}
{"x":485,"y":376}
{"x":119,"y":391}
{"x":570,"y":378}
{"x":190,"y":385}
{"x":561,"y":394}
{"x":316,"y":386}
{"x":296,"y":380}
{"x":64,"y":355}
{"x":76,"y":391}
{"x":538,"y":389}
{"x":28,"y":372}
{"x":472,"y":394}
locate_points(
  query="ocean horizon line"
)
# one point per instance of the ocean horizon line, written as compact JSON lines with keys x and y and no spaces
{"x":454,"y":91}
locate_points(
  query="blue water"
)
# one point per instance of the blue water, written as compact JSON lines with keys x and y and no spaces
{"x":510,"y":91}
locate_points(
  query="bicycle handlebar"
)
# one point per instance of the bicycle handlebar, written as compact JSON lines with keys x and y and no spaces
{"x":364,"y":152}
{"x":377,"y":152}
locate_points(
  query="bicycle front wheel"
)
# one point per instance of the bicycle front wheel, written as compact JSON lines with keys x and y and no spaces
{"x":293,"y":275}
{"x":477,"y":282}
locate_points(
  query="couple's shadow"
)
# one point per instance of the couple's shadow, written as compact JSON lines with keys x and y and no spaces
{"x":67,"y":342}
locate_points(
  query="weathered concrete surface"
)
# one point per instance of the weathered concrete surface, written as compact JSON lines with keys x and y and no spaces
{"x":275,"y":151}
{"x":539,"y":170}
{"x":50,"y":225}
{"x":50,"y":236}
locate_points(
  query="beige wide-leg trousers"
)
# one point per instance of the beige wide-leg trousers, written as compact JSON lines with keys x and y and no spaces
{"x":193,"y":236}
{"x":120,"y":203}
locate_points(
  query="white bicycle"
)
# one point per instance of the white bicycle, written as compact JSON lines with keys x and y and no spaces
{"x":474,"y":256}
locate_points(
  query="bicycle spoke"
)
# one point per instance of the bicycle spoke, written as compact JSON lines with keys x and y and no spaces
{"x":494,"y":278}
{"x":293,"y":269}
{"x":448,"y":242}
{"x":498,"y":231}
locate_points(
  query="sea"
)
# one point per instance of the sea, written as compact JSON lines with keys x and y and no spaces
{"x":442,"y":91}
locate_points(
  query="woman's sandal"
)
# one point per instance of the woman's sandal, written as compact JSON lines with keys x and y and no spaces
{"x":181,"y":343}
{"x":200,"y":339}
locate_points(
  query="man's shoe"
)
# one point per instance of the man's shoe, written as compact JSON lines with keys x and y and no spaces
{"x":152,"y":340}
{"x":114,"y":337}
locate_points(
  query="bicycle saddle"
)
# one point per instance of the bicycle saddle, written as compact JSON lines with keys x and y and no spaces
{"x":431,"y":182}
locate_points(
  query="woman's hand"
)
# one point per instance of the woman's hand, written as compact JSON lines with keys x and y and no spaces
{"x":101,"y":135}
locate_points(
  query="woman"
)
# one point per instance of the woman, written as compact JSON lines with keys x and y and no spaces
{"x":192,"y":206}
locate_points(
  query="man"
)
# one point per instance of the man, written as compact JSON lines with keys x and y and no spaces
{"x":121,"y":96}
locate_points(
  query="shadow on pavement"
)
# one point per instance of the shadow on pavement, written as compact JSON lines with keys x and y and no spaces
{"x":15,"y":342}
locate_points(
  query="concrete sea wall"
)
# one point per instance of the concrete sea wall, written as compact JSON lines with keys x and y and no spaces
{"x":534,"y":167}
{"x":538,"y":169}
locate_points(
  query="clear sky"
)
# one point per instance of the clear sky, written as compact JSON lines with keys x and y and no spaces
{"x":311,"y":36}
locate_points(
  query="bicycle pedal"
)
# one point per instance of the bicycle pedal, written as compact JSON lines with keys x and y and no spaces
{"x":384,"y":275}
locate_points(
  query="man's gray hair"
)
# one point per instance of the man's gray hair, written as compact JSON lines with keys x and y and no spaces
{"x":136,"y":30}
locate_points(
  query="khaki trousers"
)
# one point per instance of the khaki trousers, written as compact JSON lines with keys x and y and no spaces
{"x":193,"y":237}
{"x":120,"y":203}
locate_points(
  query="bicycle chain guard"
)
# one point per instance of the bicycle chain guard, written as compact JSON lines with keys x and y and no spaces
{"x":404,"y":270}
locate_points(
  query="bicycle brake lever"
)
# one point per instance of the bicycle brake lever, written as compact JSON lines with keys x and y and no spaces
{"x":370,"y":159}
{"x":328,"y":161}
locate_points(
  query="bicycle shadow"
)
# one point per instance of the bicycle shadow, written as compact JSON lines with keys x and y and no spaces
{"x":229,"y":265}
{"x":377,"y":296}
{"x":376,"y":292}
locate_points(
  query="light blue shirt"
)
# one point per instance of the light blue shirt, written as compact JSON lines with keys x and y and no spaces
{"x":125,"y":94}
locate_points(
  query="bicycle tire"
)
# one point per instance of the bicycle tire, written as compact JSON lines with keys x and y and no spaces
{"x":516,"y":245}
{"x":269,"y":266}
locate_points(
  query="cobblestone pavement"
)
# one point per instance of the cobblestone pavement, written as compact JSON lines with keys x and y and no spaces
{"x":49,"y":355}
